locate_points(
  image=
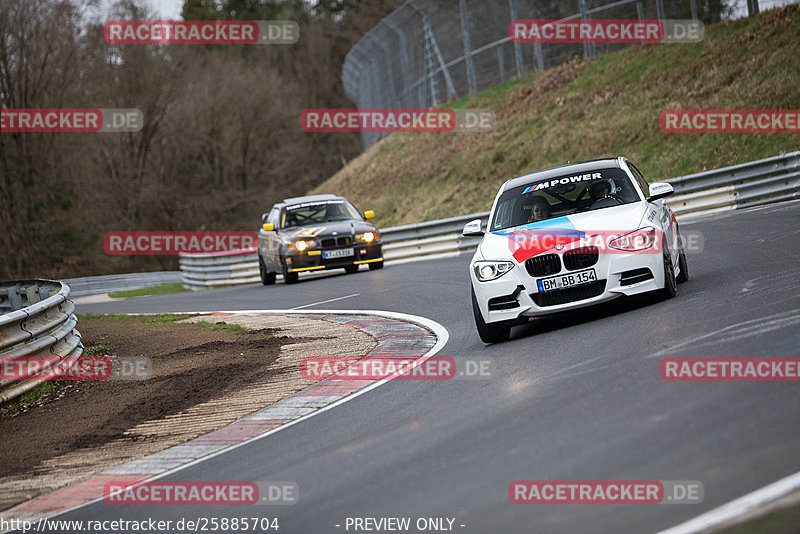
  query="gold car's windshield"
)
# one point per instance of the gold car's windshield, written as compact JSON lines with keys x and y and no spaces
{"x":317,"y":213}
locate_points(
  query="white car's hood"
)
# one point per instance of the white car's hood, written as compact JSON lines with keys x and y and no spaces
{"x":616,"y":220}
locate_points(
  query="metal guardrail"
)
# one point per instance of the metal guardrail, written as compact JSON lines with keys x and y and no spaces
{"x":209,"y":270}
{"x":432,"y":239}
{"x":750,"y":184}
{"x":92,"y":285}
{"x":37,"y":320}
{"x":738,"y":174}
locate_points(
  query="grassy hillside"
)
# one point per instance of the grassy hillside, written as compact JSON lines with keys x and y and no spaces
{"x":583,"y":110}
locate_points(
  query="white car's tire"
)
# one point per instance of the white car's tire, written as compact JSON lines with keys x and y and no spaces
{"x":492,"y":332}
{"x":683,"y":275}
{"x":670,"y":282}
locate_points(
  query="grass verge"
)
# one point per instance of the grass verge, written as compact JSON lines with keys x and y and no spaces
{"x":161,"y":289}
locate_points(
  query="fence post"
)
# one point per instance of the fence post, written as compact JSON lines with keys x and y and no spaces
{"x":501,"y":66}
{"x":512,"y":8}
{"x":388,"y":68}
{"x":431,"y":49}
{"x":378,"y":94}
{"x":537,"y":48}
{"x":660,"y":10}
{"x":472,"y":85}
{"x":357,"y":72}
{"x":431,"y":70}
{"x":368,"y":77}
{"x":405,"y":96}
{"x":587,"y":48}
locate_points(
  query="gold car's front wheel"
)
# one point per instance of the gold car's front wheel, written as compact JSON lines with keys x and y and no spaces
{"x":289,"y":278}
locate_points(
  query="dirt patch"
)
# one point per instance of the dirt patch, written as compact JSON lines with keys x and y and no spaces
{"x":203,"y":379}
{"x":191,"y":364}
{"x":553,"y":79}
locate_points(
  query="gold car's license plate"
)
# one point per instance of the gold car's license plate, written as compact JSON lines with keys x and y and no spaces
{"x":566,"y":280}
{"x":341,"y":253}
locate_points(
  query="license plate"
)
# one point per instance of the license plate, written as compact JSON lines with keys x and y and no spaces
{"x":341,"y":253}
{"x":566,"y":280}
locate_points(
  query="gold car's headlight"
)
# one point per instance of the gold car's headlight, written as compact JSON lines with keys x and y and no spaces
{"x":302,"y":245}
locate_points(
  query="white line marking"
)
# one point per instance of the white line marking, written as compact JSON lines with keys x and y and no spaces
{"x":324,"y":301}
{"x":739,"y":331}
{"x":442,"y":337}
{"x":737,"y":508}
{"x":705,"y":216}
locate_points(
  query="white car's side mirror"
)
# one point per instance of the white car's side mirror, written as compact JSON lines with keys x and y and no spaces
{"x":659,"y":190}
{"x":472,"y":229}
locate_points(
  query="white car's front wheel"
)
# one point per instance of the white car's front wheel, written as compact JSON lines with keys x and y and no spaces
{"x":670,"y":282}
{"x":683,"y":275}
{"x":489,"y":333}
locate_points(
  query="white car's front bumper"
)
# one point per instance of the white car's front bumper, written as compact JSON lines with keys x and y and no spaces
{"x":613,"y":271}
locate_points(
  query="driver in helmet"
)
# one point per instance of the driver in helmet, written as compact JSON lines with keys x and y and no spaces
{"x":600,"y":189}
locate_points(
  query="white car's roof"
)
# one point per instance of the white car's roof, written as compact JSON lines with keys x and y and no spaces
{"x":561,"y":170}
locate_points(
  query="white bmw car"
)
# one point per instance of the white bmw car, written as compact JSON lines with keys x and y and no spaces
{"x":572,"y":236}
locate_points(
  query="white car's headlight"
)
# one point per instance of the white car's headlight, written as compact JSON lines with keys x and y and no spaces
{"x":489,"y":270}
{"x":641,"y":239}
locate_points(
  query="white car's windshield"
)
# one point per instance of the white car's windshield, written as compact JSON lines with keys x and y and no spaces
{"x":318,"y":212}
{"x":540,"y":200}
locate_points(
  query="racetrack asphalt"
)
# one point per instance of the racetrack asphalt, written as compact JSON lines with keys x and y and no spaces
{"x":572,"y":397}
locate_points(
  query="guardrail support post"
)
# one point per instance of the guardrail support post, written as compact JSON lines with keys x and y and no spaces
{"x":14,"y":298}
